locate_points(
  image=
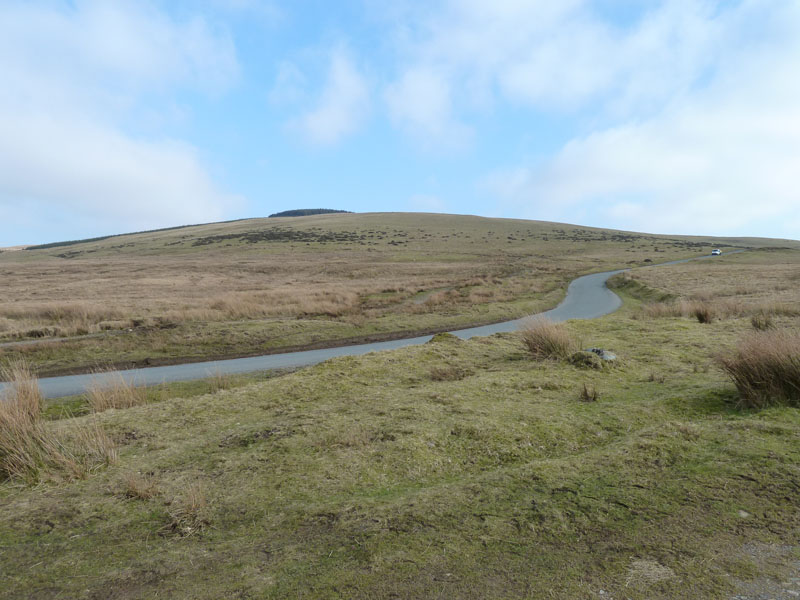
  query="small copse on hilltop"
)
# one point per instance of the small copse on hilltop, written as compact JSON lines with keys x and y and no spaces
{"x":305,"y":212}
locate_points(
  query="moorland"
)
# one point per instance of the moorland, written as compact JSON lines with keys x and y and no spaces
{"x":261,"y":286}
{"x":496,"y":467}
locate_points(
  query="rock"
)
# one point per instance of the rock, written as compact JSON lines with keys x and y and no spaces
{"x":603,"y":354}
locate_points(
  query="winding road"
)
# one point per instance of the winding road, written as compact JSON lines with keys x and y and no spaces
{"x":587,"y":297}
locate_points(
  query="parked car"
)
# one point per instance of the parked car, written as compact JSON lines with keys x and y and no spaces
{"x":716,"y":252}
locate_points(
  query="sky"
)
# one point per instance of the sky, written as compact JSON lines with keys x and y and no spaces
{"x":662,"y":116}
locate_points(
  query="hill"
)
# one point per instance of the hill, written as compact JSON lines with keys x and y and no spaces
{"x":262,"y":285}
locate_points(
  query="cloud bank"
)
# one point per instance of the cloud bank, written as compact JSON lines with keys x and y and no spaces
{"x":690,"y":108}
{"x":77,"y":80}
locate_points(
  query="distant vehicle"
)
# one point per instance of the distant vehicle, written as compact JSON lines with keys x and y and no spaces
{"x":716,"y":252}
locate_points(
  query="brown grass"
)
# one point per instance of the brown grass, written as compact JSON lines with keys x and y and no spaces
{"x":703,"y":312}
{"x":707,"y":310}
{"x":115,"y":394}
{"x":545,"y":339}
{"x":190,"y":512}
{"x":31,"y":449}
{"x":449,"y":373}
{"x":138,"y":486}
{"x":766,"y":368}
{"x":762,"y":322}
{"x":250,"y":275}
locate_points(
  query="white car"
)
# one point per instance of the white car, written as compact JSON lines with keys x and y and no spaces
{"x":716,"y":252}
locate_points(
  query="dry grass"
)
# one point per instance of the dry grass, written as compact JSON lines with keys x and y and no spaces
{"x":766,"y":368}
{"x":31,"y":449}
{"x":116,"y":393}
{"x":762,"y":322}
{"x":707,"y":310}
{"x":704,"y":312}
{"x":138,"y":486}
{"x":589,"y":394}
{"x":449,"y":373}
{"x":545,"y":339}
{"x":190,"y":512}
{"x":350,"y":264}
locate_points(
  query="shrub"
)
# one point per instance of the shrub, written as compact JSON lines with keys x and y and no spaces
{"x":766,"y":368}
{"x":545,"y":339}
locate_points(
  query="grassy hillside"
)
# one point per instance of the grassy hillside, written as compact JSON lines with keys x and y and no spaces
{"x":450,"y":470}
{"x":263,"y":285}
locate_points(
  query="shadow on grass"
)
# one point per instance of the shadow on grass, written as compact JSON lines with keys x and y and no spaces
{"x":709,"y":402}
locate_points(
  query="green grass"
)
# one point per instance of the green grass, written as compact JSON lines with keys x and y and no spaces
{"x":369,"y":477}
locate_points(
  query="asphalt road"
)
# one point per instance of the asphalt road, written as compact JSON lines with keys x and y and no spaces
{"x":587,"y":297}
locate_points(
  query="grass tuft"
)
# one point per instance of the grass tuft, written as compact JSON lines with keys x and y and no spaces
{"x":766,"y":368}
{"x":31,"y":449}
{"x":139,"y":487}
{"x":762,"y":322}
{"x":116,"y":394}
{"x":449,"y":373}
{"x":703,"y":312}
{"x":545,"y":339}
{"x":589,"y":394}
{"x":190,"y":512}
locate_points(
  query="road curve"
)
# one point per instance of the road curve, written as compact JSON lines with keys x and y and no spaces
{"x":587,"y":297}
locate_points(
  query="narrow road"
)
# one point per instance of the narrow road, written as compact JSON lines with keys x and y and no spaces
{"x":587,"y":297}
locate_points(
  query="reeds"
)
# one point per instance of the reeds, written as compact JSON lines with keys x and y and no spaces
{"x":765,"y":367}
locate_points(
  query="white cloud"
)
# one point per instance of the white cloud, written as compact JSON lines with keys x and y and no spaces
{"x":562,"y":55}
{"x":98,"y":172}
{"x":720,"y":159}
{"x":342,"y":106}
{"x":72,"y":76}
{"x":420,"y":102}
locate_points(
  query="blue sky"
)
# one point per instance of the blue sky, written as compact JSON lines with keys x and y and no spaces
{"x":672,"y":116}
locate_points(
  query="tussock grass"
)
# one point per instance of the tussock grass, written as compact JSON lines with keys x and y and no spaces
{"x":139,"y":486}
{"x":545,"y":339}
{"x":449,"y":373}
{"x":190,"y":512}
{"x":762,"y":322}
{"x":31,"y":449}
{"x":766,"y":368}
{"x":118,"y":393}
{"x":589,"y":393}
{"x":707,"y":310}
{"x":703,"y":312}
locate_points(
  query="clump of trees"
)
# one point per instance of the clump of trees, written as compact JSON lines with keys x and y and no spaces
{"x":304,"y":212}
